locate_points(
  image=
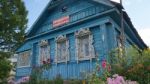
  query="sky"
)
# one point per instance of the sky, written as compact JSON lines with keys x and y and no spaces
{"x":138,"y":11}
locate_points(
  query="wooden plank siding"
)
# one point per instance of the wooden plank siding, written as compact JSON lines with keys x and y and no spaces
{"x":100,"y":19}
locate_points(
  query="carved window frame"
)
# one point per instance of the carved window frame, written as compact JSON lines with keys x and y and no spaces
{"x":44,"y":51}
{"x":21,"y":59}
{"x":79,"y":35}
{"x":60,"y":40}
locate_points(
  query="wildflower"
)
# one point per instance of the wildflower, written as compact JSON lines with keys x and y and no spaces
{"x":48,"y":61}
{"x":110,"y":81}
{"x":104,"y":64}
{"x":140,"y":65}
{"x":109,"y":68}
{"x":98,"y":68}
{"x":44,"y":62}
{"x":148,"y":68}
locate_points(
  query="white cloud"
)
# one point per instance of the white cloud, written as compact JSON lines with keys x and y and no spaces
{"x":116,"y":0}
{"x":145,"y":35}
{"x":125,"y":2}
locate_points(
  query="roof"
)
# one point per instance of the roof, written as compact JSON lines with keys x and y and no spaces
{"x":52,"y":3}
{"x":127,"y":19}
{"x":106,"y":2}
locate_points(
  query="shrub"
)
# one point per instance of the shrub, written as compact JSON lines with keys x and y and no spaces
{"x":74,"y":81}
{"x":135,"y":65}
{"x":58,"y":80}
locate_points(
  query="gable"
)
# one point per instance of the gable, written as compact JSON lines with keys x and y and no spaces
{"x":76,"y":10}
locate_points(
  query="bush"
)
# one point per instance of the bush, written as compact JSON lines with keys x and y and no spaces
{"x":134,"y":66}
{"x":46,"y":82}
{"x":58,"y":80}
{"x":75,"y":82}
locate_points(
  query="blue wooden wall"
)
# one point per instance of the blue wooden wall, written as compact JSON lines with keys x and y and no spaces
{"x":83,"y":14}
{"x":77,"y":10}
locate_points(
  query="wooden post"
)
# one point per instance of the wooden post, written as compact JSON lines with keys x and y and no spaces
{"x":83,"y":82}
{"x":122,"y":36}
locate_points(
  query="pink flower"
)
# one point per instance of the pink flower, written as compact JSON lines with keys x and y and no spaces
{"x":119,"y":80}
{"x":104,"y":64}
{"x":48,"y":61}
{"x":109,"y":68}
{"x":110,"y":81}
{"x":23,"y":80}
{"x":44,"y":62}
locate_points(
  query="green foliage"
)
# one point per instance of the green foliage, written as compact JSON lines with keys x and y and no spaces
{"x":13,"y":19}
{"x":36,"y":75}
{"x":95,"y":80}
{"x":58,"y":80}
{"x":74,"y":82}
{"x":5,"y":66}
{"x":135,"y":65}
{"x":101,"y":73}
{"x":45,"y":82}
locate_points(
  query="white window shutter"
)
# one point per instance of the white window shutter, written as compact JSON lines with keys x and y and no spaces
{"x":67,"y":55}
{"x":39,"y":57}
{"x":56,"y":53}
{"x":92,"y":50}
{"x":77,"y":53}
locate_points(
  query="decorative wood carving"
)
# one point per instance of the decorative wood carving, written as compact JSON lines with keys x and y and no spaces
{"x":79,"y":36}
{"x":83,"y":32}
{"x":43,"y":42}
{"x":62,"y":39}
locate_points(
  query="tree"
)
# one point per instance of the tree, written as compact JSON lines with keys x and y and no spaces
{"x":13,"y":20}
{"x":134,"y":66}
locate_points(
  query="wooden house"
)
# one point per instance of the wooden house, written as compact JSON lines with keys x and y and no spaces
{"x":73,"y":33}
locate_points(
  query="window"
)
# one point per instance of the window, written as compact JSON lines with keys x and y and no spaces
{"x":24,"y":59}
{"x":62,"y":52}
{"x":84,"y":45}
{"x":44,"y":51}
{"x":64,"y":9}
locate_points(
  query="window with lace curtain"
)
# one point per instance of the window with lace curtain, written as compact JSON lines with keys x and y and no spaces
{"x":84,"y":50}
{"x":84,"y":45}
{"x":44,"y":55}
{"x":24,"y":59}
{"x":62,"y":52}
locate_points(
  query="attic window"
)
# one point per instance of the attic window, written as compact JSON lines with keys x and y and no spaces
{"x":64,"y":9}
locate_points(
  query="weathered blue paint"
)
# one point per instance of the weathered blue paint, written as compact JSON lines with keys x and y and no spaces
{"x":102,"y":20}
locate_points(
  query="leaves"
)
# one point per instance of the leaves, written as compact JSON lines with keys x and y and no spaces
{"x":12,"y":23}
{"x":5,"y":68}
{"x":13,"y":20}
{"x":136,"y":65}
